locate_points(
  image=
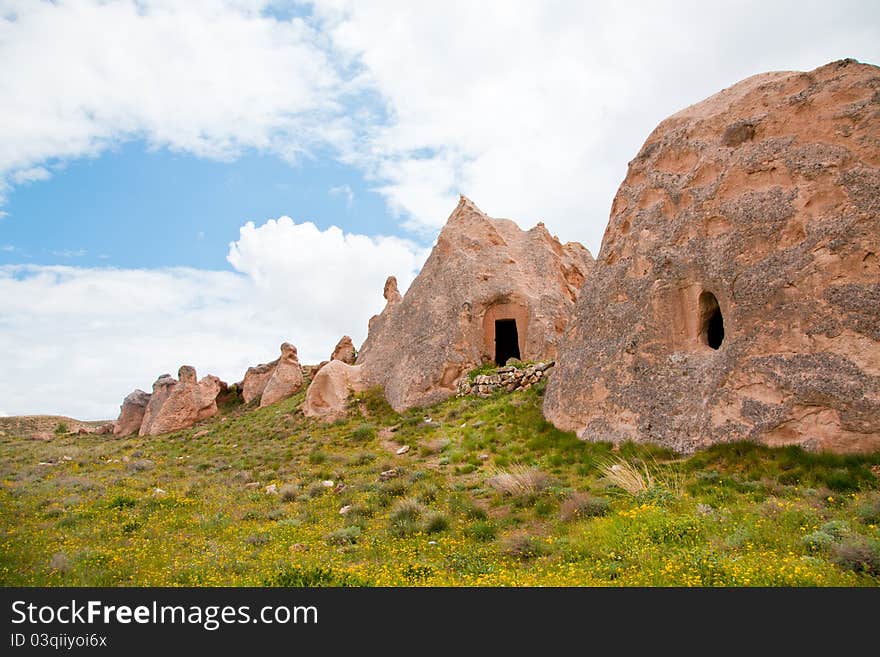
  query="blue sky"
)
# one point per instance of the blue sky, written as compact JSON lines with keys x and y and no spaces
{"x":197,"y":182}
{"x":136,"y":207}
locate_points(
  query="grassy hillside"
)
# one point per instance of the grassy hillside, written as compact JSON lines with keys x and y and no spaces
{"x":487,"y":494}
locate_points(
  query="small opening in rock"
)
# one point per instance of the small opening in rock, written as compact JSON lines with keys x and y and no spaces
{"x":711,"y":321}
{"x":506,"y":340}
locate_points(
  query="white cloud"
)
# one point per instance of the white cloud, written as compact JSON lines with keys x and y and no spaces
{"x":210,"y":78}
{"x":75,"y":341}
{"x":69,"y":253}
{"x":533,"y":109}
{"x":344,"y":191}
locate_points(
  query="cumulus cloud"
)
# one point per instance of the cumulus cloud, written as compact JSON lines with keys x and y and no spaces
{"x":210,"y":78}
{"x":75,"y":341}
{"x":533,"y":109}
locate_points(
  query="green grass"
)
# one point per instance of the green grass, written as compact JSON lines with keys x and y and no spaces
{"x":179,"y":510}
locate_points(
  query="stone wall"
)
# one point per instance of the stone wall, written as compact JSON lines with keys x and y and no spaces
{"x":508,"y":378}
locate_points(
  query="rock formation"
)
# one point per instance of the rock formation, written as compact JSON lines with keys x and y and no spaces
{"x":344,"y":351}
{"x":737,"y":290}
{"x":255,"y":380}
{"x":487,"y":292}
{"x":286,"y":379}
{"x":131,"y":413}
{"x":330,"y":390}
{"x":177,"y":404}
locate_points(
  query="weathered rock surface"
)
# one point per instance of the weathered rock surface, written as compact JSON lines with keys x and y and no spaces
{"x":344,"y":351}
{"x":328,"y":394}
{"x":481,"y":270}
{"x":737,"y":291}
{"x":177,"y":404}
{"x":286,"y":379}
{"x":255,"y":380}
{"x":131,"y":413}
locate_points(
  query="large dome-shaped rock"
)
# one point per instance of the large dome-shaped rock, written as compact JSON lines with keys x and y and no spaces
{"x":488,"y":291}
{"x":737,"y":291}
{"x":178,"y":404}
{"x":131,"y":413}
{"x":286,"y":379}
{"x":329,"y":392}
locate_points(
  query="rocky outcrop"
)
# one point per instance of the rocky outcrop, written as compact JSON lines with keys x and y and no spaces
{"x":329,"y":392}
{"x":509,"y":379}
{"x":488,"y":291}
{"x":255,"y":380}
{"x":286,"y":379}
{"x":178,"y":404}
{"x":131,"y":413}
{"x":737,"y":291}
{"x":344,"y":351}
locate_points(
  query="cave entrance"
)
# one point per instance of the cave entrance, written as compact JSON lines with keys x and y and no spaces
{"x":506,"y":340}
{"x":711,"y":321}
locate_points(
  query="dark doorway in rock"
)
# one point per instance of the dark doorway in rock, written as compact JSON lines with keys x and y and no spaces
{"x":711,"y":321}
{"x":506,"y":340}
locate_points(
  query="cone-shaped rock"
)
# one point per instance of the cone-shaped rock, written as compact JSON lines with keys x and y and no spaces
{"x":488,"y":291}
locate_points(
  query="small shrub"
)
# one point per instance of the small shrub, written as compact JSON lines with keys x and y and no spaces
{"x":583,"y":505}
{"x":122,"y":502}
{"x":363,"y":458}
{"x":465,"y":506}
{"x":521,"y":546}
{"x":358,"y":514}
{"x":544,"y":507}
{"x":289,"y":492}
{"x":435,"y":446}
{"x":61,"y":428}
{"x":364,"y":432}
{"x":417,"y":573}
{"x":818,"y":541}
{"x":296,"y":576}
{"x":404,"y":518}
{"x":345,"y":536}
{"x":316,"y":490}
{"x":435,"y":522}
{"x":519,"y":481}
{"x":131,"y":526}
{"x":276,"y":515}
{"x":869,"y":511}
{"x":406,"y":510}
{"x":429,"y":493}
{"x":391,"y":489}
{"x":60,"y":562}
{"x":481,"y":530}
{"x":858,"y":555}
{"x":317,"y":457}
{"x":835,"y":528}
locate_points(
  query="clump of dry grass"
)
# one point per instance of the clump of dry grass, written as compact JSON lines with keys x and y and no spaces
{"x":289,"y":492}
{"x":628,"y":476}
{"x":641,"y":478}
{"x":519,"y":481}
